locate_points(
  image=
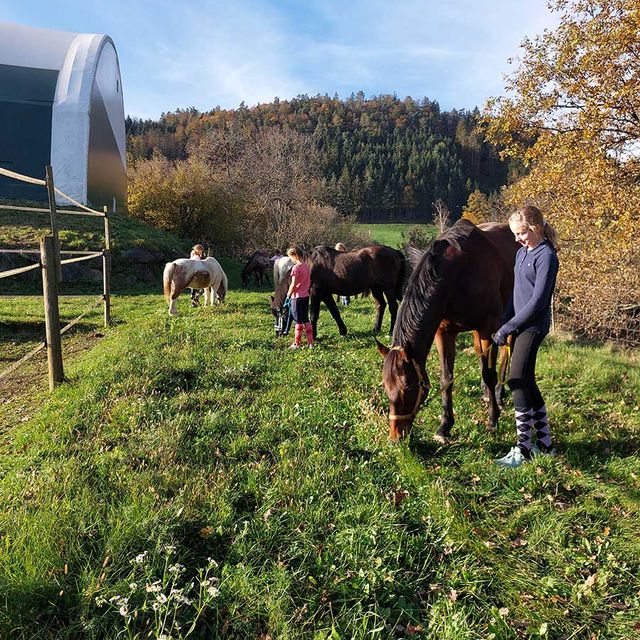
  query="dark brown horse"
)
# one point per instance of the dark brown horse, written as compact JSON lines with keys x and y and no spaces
{"x":462,"y":283}
{"x":378,"y":269}
{"x":259,"y":265}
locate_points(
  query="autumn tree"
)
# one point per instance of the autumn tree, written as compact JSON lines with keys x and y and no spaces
{"x":572,"y":116}
{"x":441,"y":216}
{"x":181,"y":197}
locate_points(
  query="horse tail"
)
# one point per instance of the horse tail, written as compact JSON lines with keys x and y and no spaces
{"x":402,"y":273}
{"x":167,"y":276}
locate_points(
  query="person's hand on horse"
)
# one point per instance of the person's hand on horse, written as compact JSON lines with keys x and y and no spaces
{"x":500,"y":337}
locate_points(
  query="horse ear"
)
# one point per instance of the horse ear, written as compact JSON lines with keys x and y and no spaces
{"x":451,"y":252}
{"x":382,"y":349}
{"x":414,"y":255}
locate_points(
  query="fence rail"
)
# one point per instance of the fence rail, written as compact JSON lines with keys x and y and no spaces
{"x":50,"y":264}
{"x":15,"y":272}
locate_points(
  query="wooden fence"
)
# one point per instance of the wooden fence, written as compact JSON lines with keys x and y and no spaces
{"x":50,"y":263}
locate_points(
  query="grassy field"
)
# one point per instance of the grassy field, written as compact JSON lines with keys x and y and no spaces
{"x":195,"y":478}
{"x":393,"y":235}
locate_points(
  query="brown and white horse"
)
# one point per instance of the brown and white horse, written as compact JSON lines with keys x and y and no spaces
{"x":204,"y":274}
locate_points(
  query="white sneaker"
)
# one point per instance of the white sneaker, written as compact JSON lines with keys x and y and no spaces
{"x":513,"y":459}
{"x":294,"y":346}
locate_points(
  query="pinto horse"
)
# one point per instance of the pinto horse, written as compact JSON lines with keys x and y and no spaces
{"x":378,"y":269}
{"x":281,"y":272}
{"x":204,"y":274}
{"x":463,"y":282}
{"x":258,"y":265}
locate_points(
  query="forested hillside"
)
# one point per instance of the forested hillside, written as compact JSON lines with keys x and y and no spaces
{"x":383,"y":159}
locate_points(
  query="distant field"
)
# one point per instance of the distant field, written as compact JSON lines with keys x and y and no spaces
{"x":392,"y":234}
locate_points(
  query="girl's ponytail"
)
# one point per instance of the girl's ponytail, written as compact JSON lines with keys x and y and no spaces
{"x":550,"y":235}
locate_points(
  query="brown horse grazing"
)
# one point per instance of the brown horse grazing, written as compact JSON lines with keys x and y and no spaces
{"x":258,"y":265}
{"x":462,"y":283}
{"x":378,"y":268}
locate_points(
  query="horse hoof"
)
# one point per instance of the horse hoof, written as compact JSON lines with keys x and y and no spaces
{"x":440,"y":439}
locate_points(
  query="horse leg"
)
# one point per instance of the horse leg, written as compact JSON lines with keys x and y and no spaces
{"x":381,"y":305}
{"x":335,"y":312}
{"x":393,"y":309}
{"x":176,"y":290}
{"x":314,"y":310}
{"x":446,"y":346}
{"x":488,"y":355}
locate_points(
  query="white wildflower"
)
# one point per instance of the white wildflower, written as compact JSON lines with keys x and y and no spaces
{"x":214,"y":592}
{"x":182,"y":599}
{"x":153,"y":588}
{"x":124,"y":607}
{"x":176,"y":568}
{"x":133,"y":586}
{"x":161,"y":598}
{"x":168,"y":549}
{"x":140,"y":558}
{"x":101,"y":601}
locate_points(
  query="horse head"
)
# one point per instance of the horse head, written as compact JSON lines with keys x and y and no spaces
{"x":407,"y":386}
{"x":282,"y":315}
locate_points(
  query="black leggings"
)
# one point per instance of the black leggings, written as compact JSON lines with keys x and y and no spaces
{"x":522,"y":376}
{"x":300,"y":310}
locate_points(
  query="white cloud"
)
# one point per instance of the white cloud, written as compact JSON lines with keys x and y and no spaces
{"x":205,"y":53}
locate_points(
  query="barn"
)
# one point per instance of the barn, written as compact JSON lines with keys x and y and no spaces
{"x":61,"y":104}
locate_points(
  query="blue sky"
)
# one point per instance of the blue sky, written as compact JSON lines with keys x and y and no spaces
{"x":207,"y":53}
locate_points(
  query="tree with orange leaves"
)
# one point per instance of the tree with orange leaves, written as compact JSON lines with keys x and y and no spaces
{"x":572,"y":116}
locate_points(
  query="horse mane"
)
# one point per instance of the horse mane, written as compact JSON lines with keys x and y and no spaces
{"x":424,"y":284}
{"x":324,"y":254}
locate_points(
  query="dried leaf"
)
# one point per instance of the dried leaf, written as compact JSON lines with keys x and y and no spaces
{"x":399,"y":497}
{"x":518,"y":542}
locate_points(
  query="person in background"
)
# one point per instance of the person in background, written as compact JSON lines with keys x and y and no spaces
{"x":527,"y":320}
{"x":298,"y":297}
{"x":344,"y":299}
{"x":197,"y":253}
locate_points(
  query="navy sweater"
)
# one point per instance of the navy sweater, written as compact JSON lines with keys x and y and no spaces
{"x":535,"y":279}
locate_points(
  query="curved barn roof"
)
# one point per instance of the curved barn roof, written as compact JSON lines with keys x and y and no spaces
{"x":66,"y":88}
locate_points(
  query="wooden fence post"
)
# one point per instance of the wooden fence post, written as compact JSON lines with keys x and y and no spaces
{"x":51,"y":313}
{"x":54,"y":218}
{"x":106,"y":270}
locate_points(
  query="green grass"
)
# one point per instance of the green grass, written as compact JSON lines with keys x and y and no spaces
{"x":393,"y":235}
{"x":270,"y":476}
{"x":19,"y":229}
